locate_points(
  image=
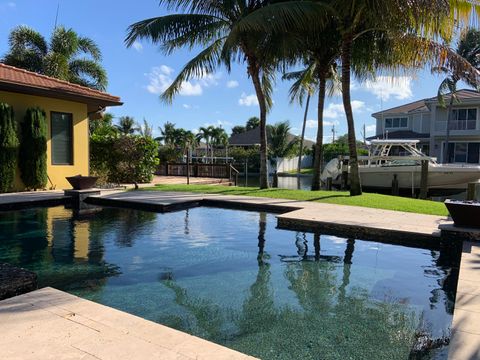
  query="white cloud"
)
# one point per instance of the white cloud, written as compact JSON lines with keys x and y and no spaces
{"x":161,"y":78}
{"x":189,"y":89}
{"x":186,"y":106}
{"x":232,"y":84}
{"x":335,"y":111}
{"x":137,"y":46}
{"x":167,"y":70}
{"x":385,"y":87}
{"x":248,"y":100}
{"x":371,"y":129}
{"x":312,"y":124}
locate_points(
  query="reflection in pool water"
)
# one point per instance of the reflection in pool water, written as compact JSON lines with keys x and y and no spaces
{"x":232,"y":278}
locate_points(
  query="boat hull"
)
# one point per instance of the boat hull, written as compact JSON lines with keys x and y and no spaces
{"x":439,"y":177}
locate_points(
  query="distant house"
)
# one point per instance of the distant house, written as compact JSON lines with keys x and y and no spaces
{"x":252,"y":138}
{"x":68,"y":108}
{"x":426,"y":121}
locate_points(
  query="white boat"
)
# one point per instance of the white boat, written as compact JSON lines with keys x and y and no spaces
{"x":388,"y":159}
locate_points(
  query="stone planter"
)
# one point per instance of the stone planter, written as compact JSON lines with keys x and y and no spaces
{"x":80,"y":182}
{"x":464,"y":213}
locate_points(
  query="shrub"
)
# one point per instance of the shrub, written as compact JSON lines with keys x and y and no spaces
{"x":8,"y":147}
{"x":125,"y":159}
{"x":33,"y":149}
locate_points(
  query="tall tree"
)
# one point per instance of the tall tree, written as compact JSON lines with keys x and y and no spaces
{"x":68,"y":56}
{"x":226,"y":32}
{"x":469,"y":48}
{"x":8,"y":147}
{"x":126,"y":125}
{"x":167,"y":134}
{"x":33,"y":149}
{"x":206,"y":133}
{"x":280,"y":142}
{"x":238,"y":129}
{"x":252,"y":123}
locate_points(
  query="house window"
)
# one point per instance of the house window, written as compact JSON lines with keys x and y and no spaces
{"x":62,"y":138}
{"x":463,"y":152}
{"x":464,"y":119}
{"x":398,"y":122}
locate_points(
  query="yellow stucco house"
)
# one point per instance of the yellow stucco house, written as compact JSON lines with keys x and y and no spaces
{"x":69,"y":108}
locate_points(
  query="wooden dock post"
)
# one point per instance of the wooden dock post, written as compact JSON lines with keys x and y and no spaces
{"x":329,"y":183}
{"x":424,"y":180}
{"x":471,"y":189}
{"x":395,"y":188}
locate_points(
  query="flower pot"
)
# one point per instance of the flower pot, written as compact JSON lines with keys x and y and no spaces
{"x":464,"y":213}
{"x":80,"y":182}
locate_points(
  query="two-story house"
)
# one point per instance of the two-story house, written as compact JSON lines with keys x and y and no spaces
{"x":426,"y":120}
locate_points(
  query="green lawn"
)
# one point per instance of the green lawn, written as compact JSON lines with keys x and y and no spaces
{"x":302,"y":171}
{"x":333,"y":197}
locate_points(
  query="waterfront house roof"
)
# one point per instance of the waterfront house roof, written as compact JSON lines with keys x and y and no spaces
{"x":252,"y":137}
{"x":17,"y":80}
{"x":422,"y":105}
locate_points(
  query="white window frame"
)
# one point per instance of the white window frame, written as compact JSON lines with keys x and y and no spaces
{"x":442,"y":150}
{"x":396,"y":127}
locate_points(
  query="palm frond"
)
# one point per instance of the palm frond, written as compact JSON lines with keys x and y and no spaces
{"x":88,"y":46}
{"x":88,"y":73}
{"x":205,"y":62}
{"x":175,"y":30}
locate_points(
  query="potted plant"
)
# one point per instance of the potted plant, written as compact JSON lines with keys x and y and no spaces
{"x":464,"y":212}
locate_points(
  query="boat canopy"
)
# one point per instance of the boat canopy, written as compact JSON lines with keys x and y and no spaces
{"x":398,"y":142}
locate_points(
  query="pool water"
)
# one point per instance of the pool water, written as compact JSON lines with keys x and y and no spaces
{"x":231,"y":277}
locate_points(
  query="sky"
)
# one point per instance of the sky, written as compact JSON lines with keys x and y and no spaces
{"x":140,"y":73}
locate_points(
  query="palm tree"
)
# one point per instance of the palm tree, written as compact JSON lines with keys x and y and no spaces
{"x":280,"y":144}
{"x":62,"y":58}
{"x":145,"y":130}
{"x":321,"y":68}
{"x":126,"y":125}
{"x":167,"y":134}
{"x":469,"y":49}
{"x":219,"y":138}
{"x":227,"y":32}
{"x":206,"y":132}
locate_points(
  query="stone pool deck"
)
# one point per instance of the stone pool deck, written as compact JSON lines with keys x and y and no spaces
{"x":51,"y":324}
{"x":347,"y":221}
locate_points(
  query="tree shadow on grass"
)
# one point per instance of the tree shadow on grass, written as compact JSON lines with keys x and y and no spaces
{"x":328,"y":197}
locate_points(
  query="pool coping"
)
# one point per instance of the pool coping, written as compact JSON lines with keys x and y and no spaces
{"x":52,"y":324}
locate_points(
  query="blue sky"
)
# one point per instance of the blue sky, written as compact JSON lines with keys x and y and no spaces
{"x":140,"y":73}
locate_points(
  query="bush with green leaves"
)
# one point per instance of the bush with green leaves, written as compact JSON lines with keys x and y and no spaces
{"x":8,"y":147}
{"x":123,"y":159}
{"x":33,"y":149}
{"x":241,"y":156}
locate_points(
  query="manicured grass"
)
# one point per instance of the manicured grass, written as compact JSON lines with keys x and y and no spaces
{"x":376,"y":201}
{"x":302,"y":171}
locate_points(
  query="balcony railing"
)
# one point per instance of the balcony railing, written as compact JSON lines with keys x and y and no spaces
{"x":456,"y":125}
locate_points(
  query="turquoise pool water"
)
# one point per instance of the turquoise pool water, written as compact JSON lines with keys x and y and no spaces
{"x":233,"y":278}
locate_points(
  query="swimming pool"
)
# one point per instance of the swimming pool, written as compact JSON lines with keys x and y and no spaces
{"x":231,"y":277}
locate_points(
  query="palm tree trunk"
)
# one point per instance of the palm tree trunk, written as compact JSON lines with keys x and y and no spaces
{"x":446,"y":153}
{"x":254,"y":73}
{"x":300,"y":153}
{"x":355,"y":187}
{"x":318,"y":159}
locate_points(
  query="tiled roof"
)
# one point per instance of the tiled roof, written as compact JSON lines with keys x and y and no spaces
{"x":20,"y":80}
{"x":421,"y":105}
{"x":415,"y":106}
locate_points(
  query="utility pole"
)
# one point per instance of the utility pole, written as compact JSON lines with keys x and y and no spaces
{"x":56,"y":16}
{"x":333,"y":134}
{"x":364,"y":134}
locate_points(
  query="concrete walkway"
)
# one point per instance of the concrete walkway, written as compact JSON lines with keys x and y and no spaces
{"x":465,"y":341}
{"x":51,"y":324}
